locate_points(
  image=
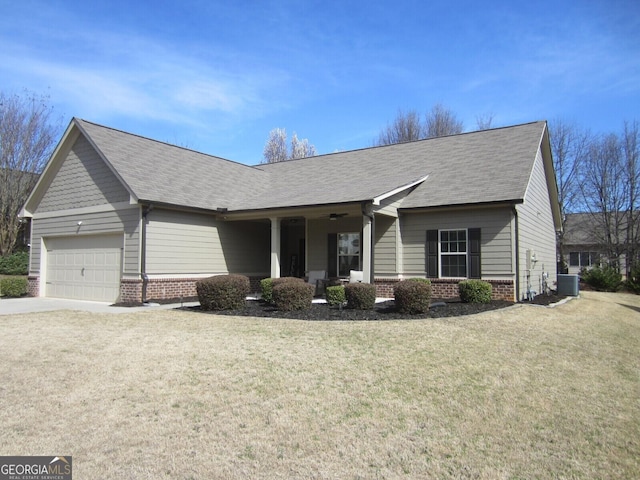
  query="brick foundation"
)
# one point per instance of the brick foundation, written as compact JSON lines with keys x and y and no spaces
{"x":442,"y":288}
{"x":33,"y":286}
{"x":166,"y":288}
{"x":174,"y":288}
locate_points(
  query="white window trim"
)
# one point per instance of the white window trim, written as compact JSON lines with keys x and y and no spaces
{"x":441,"y":253}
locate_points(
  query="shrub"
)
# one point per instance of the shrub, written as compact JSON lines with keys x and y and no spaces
{"x":360,"y":296}
{"x":291,"y":295}
{"x":335,"y":295}
{"x":474,"y":291}
{"x":13,"y":287}
{"x":281,"y":280}
{"x":223,"y":292}
{"x":412,"y":295}
{"x":603,"y":278}
{"x":633,"y":280}
{"x":16,"y":264}
{"x":266,"y":287}
{"x":268,"y":284}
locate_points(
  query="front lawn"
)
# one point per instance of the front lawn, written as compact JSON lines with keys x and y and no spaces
{"x":522,"y":392}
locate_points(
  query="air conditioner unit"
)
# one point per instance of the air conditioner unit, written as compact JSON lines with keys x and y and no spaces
{"x":568,"y":285}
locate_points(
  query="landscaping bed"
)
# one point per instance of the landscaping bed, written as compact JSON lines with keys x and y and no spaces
{"x":383,"y":311}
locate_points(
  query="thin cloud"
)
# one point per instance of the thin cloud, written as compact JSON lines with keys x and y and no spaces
{"x":130,"y":76}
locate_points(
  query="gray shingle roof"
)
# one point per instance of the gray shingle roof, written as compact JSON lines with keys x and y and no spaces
{"x":160,"y":172}
{"x":486,"y":166}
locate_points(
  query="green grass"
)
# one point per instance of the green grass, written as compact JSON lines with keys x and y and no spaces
{"x":527,"y":392}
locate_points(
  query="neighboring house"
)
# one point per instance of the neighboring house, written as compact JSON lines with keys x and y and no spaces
{"x":119,"y":217}
{"x":584,"y":242}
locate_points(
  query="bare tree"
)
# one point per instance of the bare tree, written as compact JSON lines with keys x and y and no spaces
{"x":484,"y":122}
{"x":27,"y":139}
{"x":630,"y":145}
{"x":569,"y":146}
{"x":610,"y":186}
{"x":301,"y":148}
{"x":441,"y":122}
{"x":406,"y":127}
{"x":275,"y":150}
{"x":603,"y":193}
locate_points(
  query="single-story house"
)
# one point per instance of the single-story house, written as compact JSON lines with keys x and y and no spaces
{"x":584,"y":242}
{"x":119,"y":217}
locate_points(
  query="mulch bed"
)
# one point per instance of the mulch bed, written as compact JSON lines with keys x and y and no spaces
{"x":382,"y":311}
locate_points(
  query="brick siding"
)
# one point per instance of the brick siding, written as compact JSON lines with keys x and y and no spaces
{"x":175,"y":288}
{"x":442,"y":288}
{"x":167,"y":288}
{"x":33,"y":286}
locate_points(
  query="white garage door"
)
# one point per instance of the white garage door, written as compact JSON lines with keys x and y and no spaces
{"x":84,"y":267}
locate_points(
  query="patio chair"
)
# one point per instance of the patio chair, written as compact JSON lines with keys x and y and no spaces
{"x":356,"y":276}
{"x":317,"y":278}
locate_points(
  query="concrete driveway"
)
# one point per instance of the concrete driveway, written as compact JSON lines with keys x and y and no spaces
{"x":12,"y":306}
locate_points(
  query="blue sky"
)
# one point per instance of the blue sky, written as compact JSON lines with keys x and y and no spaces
{"x":218,"y":76}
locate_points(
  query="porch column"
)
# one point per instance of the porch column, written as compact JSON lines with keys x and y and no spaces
{"x":367,"y":244}
{"x":275,"y":247}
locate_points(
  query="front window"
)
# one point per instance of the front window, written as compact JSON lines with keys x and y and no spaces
{"x":453,"y":253}
{"x":348,"y":253}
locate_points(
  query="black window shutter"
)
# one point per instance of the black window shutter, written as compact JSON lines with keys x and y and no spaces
{"x":474,"y":253}
{"x":432,"y":253}
{"x":332,"y":257}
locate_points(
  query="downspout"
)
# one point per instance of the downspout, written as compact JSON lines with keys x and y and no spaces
{"x":146,"y":209}
{"x":365,"y":207}
{"x":517,"y":252}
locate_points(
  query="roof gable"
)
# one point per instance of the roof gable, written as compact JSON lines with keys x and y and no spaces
{"x":163,"y":173}
{"x":83,"y":179}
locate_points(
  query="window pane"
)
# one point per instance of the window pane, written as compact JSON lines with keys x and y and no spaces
{"x":584,"y":259}
{"x":574,"y":259}
{"x":454,"y":266}
{"x":348,"y":253}
{"x":348,"y":243}
{"x":347,"y":263}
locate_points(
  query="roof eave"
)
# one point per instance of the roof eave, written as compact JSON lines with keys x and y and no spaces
{"x":390,"y":193}
{"x":465,"y":206}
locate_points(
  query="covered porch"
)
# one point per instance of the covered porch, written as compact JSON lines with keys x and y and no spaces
{"x":332,"y":238}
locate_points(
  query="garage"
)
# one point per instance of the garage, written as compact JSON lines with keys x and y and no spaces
{"x":84,"y":267}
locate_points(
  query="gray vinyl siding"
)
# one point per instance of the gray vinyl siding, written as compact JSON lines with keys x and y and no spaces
{"x":385,"y":256}
{"x":389,"y":206}
{"x":183,"y":243}
{"x":317,"y":238}
{"x":124,"y":221}
{"x":536,"y":230}
{"x":84,"y":180}
{"x":246,"y":246}
{"x":496,"y":247}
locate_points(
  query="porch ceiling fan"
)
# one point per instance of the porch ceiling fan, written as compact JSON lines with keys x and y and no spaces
{"x":335,"y":216}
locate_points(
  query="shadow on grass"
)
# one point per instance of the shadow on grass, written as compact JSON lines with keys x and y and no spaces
{"x":631,"y":307}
